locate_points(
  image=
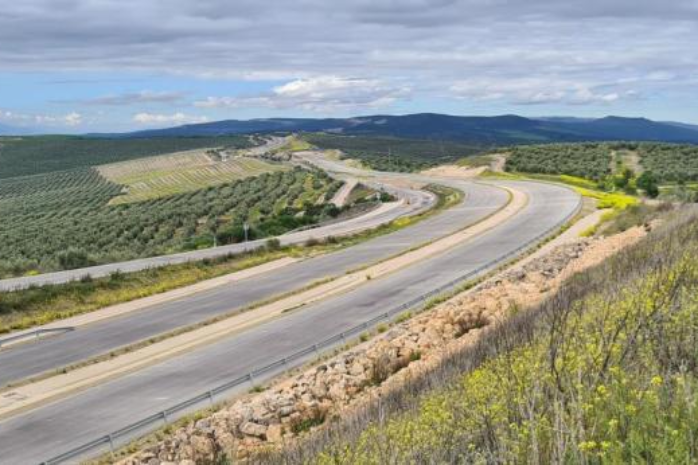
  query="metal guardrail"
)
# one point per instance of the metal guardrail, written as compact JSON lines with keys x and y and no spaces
{"x":35,"y":333}
{"x":164,"y":416}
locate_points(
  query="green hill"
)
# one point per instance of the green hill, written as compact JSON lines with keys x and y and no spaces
{"x":22,"y":156}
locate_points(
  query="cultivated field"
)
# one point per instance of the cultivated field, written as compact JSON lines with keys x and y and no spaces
{"x":44,"y":154}
{"x":164,"y":175}
{"x":64,"y":220}
{"x":591,"y":161}
{"x":667,"y":162}
{"x":392,"y":153}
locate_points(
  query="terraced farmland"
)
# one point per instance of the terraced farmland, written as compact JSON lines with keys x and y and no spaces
{"x":165,"y":175}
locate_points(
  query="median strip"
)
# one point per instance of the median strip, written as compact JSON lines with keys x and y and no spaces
{"x":38,"y":393}
{"x":139,"y":304}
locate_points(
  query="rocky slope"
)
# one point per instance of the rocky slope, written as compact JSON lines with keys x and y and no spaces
{"x":306,"y":401}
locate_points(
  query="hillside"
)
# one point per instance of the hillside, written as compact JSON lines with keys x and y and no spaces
{"x":163,"y":175}
{"x":506,"y":129}
{"x":64,"y":220}
{"x":393,"y":153}
{"x":627,"y":166}
{"x":44,"y":154}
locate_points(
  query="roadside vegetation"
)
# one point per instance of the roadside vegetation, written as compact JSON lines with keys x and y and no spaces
{"x":648,"y":168}
{"x":392,"y":153}
{"x":40,"y":305}
{"x":670,"y":162}
{"x":603,"y":371}
{"x":22,"y":156}
{"x":590,"y":161}
{"x":63,"y":220}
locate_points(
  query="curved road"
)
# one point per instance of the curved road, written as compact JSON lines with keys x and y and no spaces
{"x":411,"y":202}
{"x":35,"y":357}
{"x":56,"y":427}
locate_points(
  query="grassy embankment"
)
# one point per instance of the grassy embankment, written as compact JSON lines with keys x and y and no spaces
{"x":585,"y":187}
{"x":26,"y":308}
{"x":624,"y":210}
{"x":605,"y":371}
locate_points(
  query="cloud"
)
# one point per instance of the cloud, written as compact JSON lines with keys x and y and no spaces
{"x":318,"y":94}
{"x":312,"y":37}
{"x":153,"y":119}
{"x":71,"y":119}
{"x":598,"y":52}
{"x":134,"y":98}
{"x":539,"y":91}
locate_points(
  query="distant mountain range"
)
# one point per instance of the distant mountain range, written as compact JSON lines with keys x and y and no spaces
{"x":13,"y":131}
{"x":506,"y":129}
{"x":682,"y":125}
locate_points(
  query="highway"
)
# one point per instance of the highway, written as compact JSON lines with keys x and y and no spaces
{"x":411,"y":202}
{"x":52,"y":353}
{"x":51,"y":429}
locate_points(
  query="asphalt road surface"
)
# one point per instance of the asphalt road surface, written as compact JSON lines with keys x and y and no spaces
{"x":54,"y":428}
{"x":37,"y":356}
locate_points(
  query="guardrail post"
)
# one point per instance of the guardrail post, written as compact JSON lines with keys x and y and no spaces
{"x":210,"y":396}
{"x":251,"y":378}
{"x":344,"y":339}
{"x":111,"y":444}
{"x":317,"y":351}
{"x":164,"y":417}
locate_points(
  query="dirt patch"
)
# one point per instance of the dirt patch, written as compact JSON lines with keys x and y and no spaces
{"x":340,"y":198}
{"x":293,"y":406}
{"x":499,"y":160}
{"x":631,"y":159}
{"x":454,"y":171}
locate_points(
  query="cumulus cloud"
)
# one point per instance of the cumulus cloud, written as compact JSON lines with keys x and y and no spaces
{"x":319,"y":94}
{"x":599,"y":52}
{"x":71,"y":119}
{"x":154,"y":119}
{"x":309,"y":37}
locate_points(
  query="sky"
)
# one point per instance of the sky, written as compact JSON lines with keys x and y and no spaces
{"x":75,"y":66}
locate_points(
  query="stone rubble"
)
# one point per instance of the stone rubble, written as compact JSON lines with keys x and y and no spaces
{"x":305,"y":401}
